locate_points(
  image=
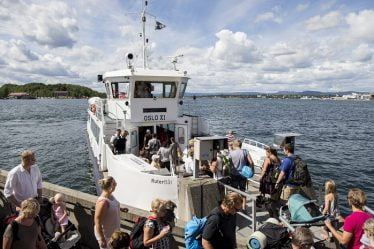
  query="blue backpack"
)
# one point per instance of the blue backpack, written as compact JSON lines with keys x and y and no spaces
{"x":193,"y":232}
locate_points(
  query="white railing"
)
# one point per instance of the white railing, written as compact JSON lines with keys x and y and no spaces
{"x":255,"y":143}
{"x":249,"y":198}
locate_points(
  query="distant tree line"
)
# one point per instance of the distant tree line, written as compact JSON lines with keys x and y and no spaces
{"x":44,"y":90}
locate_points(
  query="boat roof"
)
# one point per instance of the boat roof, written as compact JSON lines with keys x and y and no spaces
{"x":144,"y":72}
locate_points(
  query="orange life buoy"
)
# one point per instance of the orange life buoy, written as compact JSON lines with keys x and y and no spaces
{"x":93,"y":108}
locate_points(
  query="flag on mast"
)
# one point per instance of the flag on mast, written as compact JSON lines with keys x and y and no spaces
{"x":159,"y":25}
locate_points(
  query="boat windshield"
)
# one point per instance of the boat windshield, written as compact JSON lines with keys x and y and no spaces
{"x":119,"y":90}
{"x":182,"y":89}
{"x":147,"y":89}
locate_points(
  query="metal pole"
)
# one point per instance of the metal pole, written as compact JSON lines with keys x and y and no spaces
{"x":143,"y":21}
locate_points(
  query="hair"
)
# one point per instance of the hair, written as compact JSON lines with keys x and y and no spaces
{"x":106,"y":183}
{"x":172,"y":139}
{"x":302,"y":236}
{"x":154,"y":135}
{"x":237,"y":143}
{"x":158,"y":205}
{"x":272,"y":151}
{"x":27,"y":155}
{"x":118,"y":130}
{"x":165,"y":144}
{"x":120,"y":240}
{"x":56,"y":197}
{"x":330,"y":187}
{"x":29,"y":208}
{"x":357,"y":198}
{"x":288,"y":147}
{"x":232,"y":199}
{"x":369,"y":227}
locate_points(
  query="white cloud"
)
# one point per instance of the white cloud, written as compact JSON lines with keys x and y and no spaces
{"x":302,"y":7}
{"x":318,"y":22}
{"x":361,"y":25}
{"x":267,"y":17}
{"x":234,"y":47}
{"x":362,"y":53}
{"x":16,"y":50}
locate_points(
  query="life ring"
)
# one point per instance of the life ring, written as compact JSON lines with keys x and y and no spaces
{"x":93,"y":108}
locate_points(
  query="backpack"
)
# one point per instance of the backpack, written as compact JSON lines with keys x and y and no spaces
{"x":137,"y":233}
{"x":193,"y":232}
{"x":299,"y":173}
{"x":276,"y":236}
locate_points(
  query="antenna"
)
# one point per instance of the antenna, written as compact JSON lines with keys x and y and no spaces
{"x":174,"y":60}
{"x":145,"y":3}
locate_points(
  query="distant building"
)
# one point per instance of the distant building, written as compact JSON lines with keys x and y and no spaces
{"x":20,"y":95}
{"x":60,"y":94}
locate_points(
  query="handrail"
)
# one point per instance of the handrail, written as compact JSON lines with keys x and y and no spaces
{"x":369,"y":210}
{"x":250,"y":198}
{"x":255,"y":143}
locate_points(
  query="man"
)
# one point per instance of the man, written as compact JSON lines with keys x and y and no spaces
{"x":153,"y":145}
{"x":219,"y":229}
{"x":286,"y":172}
{"x":24,"y":181}
{"x":239,"y":158}
{"x":114,"y":139}
{"x":175,"y":152}
{"x":230,"y":136}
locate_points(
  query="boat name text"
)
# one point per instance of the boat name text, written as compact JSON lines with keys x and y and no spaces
{"x":154,"y":117}
{"x":166,"y":181}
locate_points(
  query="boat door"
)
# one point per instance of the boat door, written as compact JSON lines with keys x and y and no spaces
{"x":134,"y":141}
{"x":181,"y":136}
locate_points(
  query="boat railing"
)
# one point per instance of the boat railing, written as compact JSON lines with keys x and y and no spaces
{"x":255,"y":143}
{"x":252,"y":217}
{"x":369,"y":210}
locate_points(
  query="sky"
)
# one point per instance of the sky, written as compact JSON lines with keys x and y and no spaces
{"x":227,"y":45}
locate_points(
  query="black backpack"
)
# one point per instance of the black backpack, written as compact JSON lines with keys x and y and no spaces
{"x":137,"y":233}
{"x":299,"y":173}
{"x":277,"y":237}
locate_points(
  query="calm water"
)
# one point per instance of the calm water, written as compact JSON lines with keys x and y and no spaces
{"x":337,"y":140}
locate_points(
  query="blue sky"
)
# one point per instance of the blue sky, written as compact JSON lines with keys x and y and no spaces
{"x":230,"y":45}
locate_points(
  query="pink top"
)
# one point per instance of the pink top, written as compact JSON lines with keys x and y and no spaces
{"x":111,"y":218}
{"x":354,"y":224}
{"x":59,"y":211}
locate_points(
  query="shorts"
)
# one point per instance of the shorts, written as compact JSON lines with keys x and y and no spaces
{"x":238,"y":182}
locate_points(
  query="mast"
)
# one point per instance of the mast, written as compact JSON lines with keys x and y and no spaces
{"x":145,"y":3}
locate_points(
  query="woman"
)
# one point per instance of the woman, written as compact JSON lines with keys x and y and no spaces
{"x":164,"y":153}
{"x":28,"y":228}
{"x":271,"y":164}
{"x":107,"y":212}
{"x":353,"y":224}
{"x":155,"y":231}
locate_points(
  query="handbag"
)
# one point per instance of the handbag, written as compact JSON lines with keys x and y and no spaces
{"x":246,"y":172}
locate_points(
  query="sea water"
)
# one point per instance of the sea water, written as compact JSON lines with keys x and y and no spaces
{"x":337,"y":138}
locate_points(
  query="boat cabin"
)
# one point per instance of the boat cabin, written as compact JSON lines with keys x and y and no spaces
{"x":280,"y":139}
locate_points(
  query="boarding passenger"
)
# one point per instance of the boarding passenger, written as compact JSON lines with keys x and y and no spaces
{"x":27,"y":226}
{"x":24,"y":181}
{"x":220,"y":228}
{"x":230,"y":136}
{"x":164,"y":153}
{"x":353,"y":224}
{"x":59,"y":215}
{"x":285,"y":173}
{"x":153,"y":145}
{"x":239,"y":158}
{"x":155,"y":231}
{"x":204,"y":168}
{"x":302,"y":238}
{"x":147,"y":137}
{"x":114,"y":139}
{"x":120,"y":143}
{"x":107,"y":212}
{"x":119,"y":240}
{"x":156,"y":161}
{"x":175,"y":152}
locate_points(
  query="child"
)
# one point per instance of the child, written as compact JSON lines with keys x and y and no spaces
{"x":119,"y":240}
{"x":367,"y":238}
{"x":59,"y":213}
{"x":330,"y":208}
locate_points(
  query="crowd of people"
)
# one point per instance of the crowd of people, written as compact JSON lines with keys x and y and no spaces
{"x":23,"y":189}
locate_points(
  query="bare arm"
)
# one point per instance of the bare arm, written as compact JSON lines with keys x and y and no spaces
{"x":327,"y":205}
{"x":100,"y":210}
{"x":207,"y":244}
{"x":7,"y":242}
{"x":265,"y":167}
{"x":250,"y":161}
{"x":13,"y":200}
{"x":343,"y":238}
{"x":280,"y":179}
{"x":148,"y":239}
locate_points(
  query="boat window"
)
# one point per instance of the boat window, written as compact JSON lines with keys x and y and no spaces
{"x":120,"y":90}
{"x":182,"y":89}
{"x":181,"y":135}
{"x":134,"y":139}
{"x":145,"y":89}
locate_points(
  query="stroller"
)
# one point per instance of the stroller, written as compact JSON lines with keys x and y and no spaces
{"x":301,"y":211}
{"x":67,"y":240}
